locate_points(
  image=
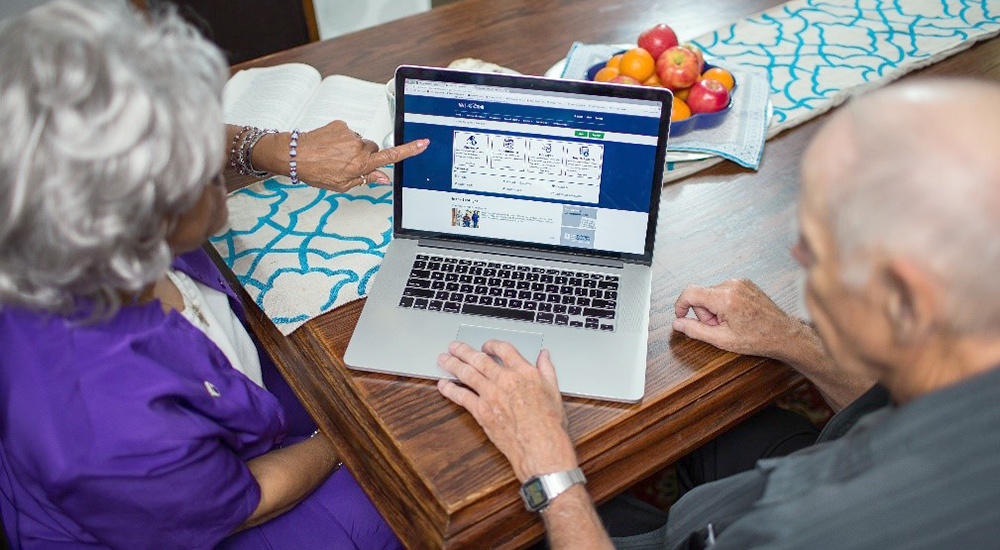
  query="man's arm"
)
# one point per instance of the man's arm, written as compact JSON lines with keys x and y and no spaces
{"x":737,"y":316}
{"x":520,"y":409}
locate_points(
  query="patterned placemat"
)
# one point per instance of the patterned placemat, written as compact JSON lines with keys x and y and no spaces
{"x":301,"y":251}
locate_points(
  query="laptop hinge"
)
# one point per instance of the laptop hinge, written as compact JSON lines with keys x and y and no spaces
{"x":521,"y":253}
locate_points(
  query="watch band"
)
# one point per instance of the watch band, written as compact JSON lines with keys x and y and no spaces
{"x":538,"y":492}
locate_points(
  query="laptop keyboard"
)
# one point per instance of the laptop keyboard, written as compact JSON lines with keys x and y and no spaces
{"x":512,"y":291}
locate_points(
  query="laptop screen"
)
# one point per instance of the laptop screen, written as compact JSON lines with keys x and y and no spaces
{"x":515,"y":161}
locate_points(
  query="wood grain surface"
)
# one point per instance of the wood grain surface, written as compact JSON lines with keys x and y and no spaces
{"x":427,"y":466}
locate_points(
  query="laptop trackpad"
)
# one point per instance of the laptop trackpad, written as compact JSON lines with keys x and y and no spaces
{"x":528,"y":343}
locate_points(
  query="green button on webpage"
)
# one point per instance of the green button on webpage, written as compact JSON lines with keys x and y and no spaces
{"x":597,"y":135}
{"x":580,"y":133}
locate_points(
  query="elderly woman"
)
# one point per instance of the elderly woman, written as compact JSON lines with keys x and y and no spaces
{"x":134,"y":412}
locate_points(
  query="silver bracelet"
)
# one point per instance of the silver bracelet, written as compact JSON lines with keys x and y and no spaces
{"x":251,"y":143}
{"x":293,"y":152}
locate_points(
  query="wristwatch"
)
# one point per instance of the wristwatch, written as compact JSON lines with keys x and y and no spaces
{"x":538,"y":492}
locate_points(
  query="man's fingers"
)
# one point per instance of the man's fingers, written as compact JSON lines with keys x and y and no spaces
{"x":546,"y":368}
{"x":463,"y":370}
{"x":699,"y":331}
{"x":459,"y":395}
{"x":393,"y":155}
{"x":479,"y":360}
{"x":705,"y":316}
{"x":696,"y":296}
{"x":505,"y":351}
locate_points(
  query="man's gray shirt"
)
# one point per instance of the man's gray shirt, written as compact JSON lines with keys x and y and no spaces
{"x":922,"y":475}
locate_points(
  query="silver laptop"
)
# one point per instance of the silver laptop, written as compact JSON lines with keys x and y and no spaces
{"x":530,"y":218}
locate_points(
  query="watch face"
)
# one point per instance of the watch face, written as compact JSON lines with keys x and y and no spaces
{"x":533,"y":493}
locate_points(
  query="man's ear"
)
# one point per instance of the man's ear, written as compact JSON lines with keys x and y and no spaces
{"x":911,"y":300}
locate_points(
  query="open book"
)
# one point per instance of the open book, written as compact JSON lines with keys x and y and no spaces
{"x":294,"y":95}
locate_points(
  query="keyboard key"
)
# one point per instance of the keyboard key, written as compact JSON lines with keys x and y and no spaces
{"x":509,"y":293}
{"x":420,"y":274}
{"x":599,"y":313}
{"x":418,"y":292}
{"x":495,"y":291}
{"x":501,"y":312}
{"x":437,"y":285}
{"x":523,"y":285}
{"x":420,"y":303}
{"x":538,"y":296}
{"x":437,"y":276}
{"x":565,"y":289}
{"x":481,"y":290}
{"x":575,"y":324}
{"x":608,"y":285}
{"x":419,"y":265}
{"x":533,"y":277}
{"x":405,"y":301}
{"x":546,"y":318}
{"x":562,"y":320}
{"x":500,"y":302}
{"x":530,"y":305}
{"x":465,"y":262}
{"x":462,"y":269}
{"x":451,"y":287}
{"x":435,"y":305}
{"x":507,"y":283}
{"x":554,"y":299}
{"x":603,"y":304}
{"x":596,"y":293}
{"x":422,"y":257}
{"x":434,"y":266}
{"x":465,"y":288}
{"x":575,"y":281}
{"x":547,"y":279}
{"x":611,"y":294}
{"x":486,"y":300}
{"x":476,"y":271}
{"x":436,"y":258}
{"x":580,"y":291}
{"x":561,"y":280}
{"x":465,"y":278}
{"x":524,"y":294}
{"x":568,"y":300}
{"x":489,"y":272}
{"x":471,"y":298}
{"x":441,"y":295}
{"x":451,"y":277}
{"x":559,"y":308}
{"x":575,"y":310}
{"x":544,"y":306}
{"x":583,"y":301}
{"x":418,"y":283}
{"x":552,"y":289}
{"x":590,"y":283}
{"x":607,"y":327}
{"x":452,"y":307}
{"x":456,"y":297}
{"x":522,"y":268}
{"x":451,"y":259}
{"x":515,"y":303}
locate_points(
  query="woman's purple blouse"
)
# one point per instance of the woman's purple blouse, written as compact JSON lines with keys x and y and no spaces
{"x":132,"y":432}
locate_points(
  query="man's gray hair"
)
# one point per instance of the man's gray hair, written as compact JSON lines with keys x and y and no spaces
{"x":924,"y":183}
{"x":112,"y":125}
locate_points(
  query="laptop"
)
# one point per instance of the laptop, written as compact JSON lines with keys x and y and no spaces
{"x":530,"y":218}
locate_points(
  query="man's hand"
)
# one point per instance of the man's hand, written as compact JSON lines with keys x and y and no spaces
{"x":518,"y":405}
{"x":736,"y":316}
{"x":333,"y":157}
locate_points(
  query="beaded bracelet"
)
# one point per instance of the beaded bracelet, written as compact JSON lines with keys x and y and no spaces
{"x":293,"y":152}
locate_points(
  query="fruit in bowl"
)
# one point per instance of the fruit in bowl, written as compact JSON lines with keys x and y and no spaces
{"x":659,"y":61}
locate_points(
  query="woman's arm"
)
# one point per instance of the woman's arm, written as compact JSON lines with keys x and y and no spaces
{"x":332,"y":157}
{"x":288,"y":475}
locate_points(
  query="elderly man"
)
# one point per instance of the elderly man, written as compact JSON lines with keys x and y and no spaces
{"x":900,"y":238}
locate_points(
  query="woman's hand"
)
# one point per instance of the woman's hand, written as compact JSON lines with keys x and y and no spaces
{"x":333,"y":157}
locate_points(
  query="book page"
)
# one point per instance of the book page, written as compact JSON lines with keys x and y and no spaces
{"x":359,"y":103}
{"x":270,"y":97}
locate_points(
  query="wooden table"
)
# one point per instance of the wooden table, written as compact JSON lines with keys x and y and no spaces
{"x":425,"y":463}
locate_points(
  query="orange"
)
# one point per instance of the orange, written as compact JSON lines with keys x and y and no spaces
{"x":682,"y":93}
{"x":615,"y":61}
{"x":680,"y":110}
{"x":652,"y":81}
{"x":605,"y":74}
{"x":637,"y":63}
{"x":721,"y":76}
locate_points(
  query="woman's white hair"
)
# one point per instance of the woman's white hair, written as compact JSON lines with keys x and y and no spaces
{"x":112,"y":126}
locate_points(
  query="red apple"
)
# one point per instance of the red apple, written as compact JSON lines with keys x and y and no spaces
{"x":657,"y":39}
{"x":677,"y":68}
{"x":707,"y":96}
{"x":697,"y":51}
{"x":622,"y":79}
